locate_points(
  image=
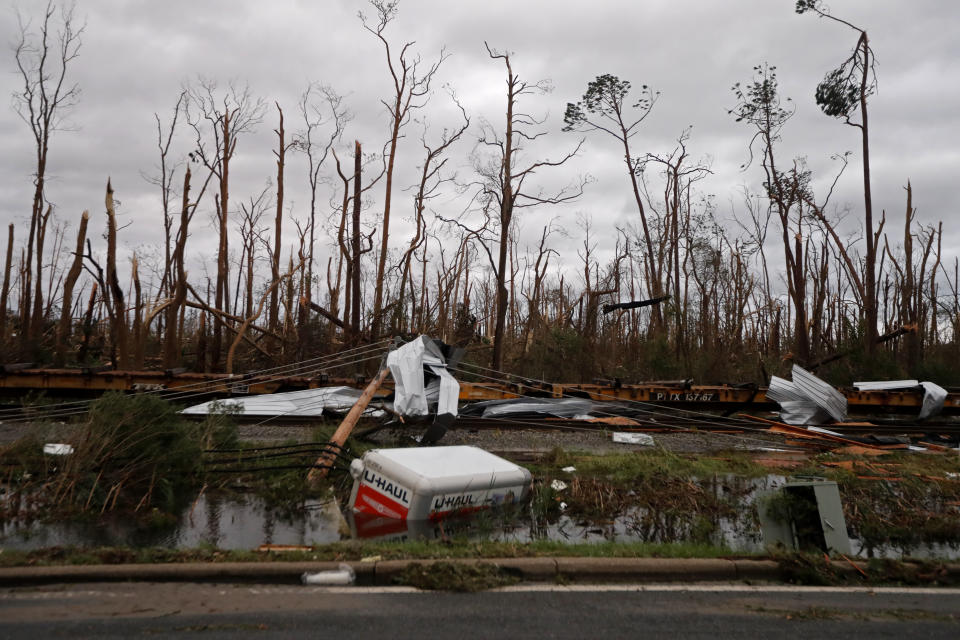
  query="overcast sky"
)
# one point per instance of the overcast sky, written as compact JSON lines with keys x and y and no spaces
{"x":137,"y":55}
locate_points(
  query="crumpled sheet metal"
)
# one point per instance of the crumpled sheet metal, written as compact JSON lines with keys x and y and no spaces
{"x":821,"y":393}
{"x":558,"y":407}
{"x":412,"y":396}
{"x":795,"y":406}
{"x":294,"y":404}
{"x":807,"y":399}
{"x":933,"y":398}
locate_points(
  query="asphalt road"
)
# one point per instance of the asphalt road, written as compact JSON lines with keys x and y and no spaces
{"x":210,"y":611}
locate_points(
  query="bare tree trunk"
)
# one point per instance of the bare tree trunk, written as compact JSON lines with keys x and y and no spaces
{"x":63,"y":330}
{"x":87,"y":325}
{"x":222,"y":293}
{"x":506,"y":219}
{"x":36,"y":323}
{"x":139,"y":348}
{"x":120,"y":311}
{"x":504,"y":189}
{"x":410,"y":91}
{"x":42,"y":60}
{"x":870,"y":263}
{"x":355,"y":240}
{"x":5,"y":292}
{"x":171,"y":347}
{"x":280,"y":153}
{"x":201,"y":363}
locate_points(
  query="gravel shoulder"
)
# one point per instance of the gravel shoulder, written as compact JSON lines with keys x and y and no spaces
{"x":508,"y":439}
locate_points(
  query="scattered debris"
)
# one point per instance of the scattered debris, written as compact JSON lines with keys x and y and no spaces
{"x":569,"y":469}
{"x":558,"y":485}
{"x":283,"y":548}
{"x":619,"y":421}
{"x":633,"y":438}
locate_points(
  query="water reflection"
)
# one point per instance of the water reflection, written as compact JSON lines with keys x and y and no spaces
{"x":224,"y":522}
{"x":245,"y":522}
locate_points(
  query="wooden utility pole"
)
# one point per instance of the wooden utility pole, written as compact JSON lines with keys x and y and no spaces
{"x":322,"y":466}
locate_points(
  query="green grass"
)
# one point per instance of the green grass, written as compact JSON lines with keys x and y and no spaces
{"x":624,"y":468}
{"x":355,"y":551}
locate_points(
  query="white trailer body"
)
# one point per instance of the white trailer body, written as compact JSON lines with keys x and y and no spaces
{"x":428,"y":483}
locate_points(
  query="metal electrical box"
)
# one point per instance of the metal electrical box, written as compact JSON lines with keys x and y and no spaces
{"x":805,"y":515}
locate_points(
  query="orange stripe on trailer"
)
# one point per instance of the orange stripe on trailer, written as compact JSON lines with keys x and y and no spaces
{"x":371,"y":501}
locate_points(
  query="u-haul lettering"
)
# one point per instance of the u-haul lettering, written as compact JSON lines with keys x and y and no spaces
{"x":473,"y":500}
{"x":386,"y":486}
{"x":460,"y":501}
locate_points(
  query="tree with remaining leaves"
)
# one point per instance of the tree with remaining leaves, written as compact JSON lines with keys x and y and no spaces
{"x":759,"y":105}
{"x":606,"y":106}
{"x":843,"y":93}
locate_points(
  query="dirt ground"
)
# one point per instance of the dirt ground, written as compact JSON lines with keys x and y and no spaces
{"x":521,"y":439}
{"x":507,"y":439}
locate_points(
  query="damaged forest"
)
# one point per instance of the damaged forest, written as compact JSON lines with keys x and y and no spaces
{"x":265,"y":282}
{"x":482,"y":315}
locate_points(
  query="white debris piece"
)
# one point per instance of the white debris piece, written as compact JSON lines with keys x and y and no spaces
{"x":824,"y":431}
{"x":558,"y":485}
{"x":57,"y":449}
{"x":624,"y":437}
{"x":407,"y":365}
{"x":933,"y":398}
{"x":342,"y":576}
{"x":569,"y":469}
{"x":933,"y":394}
{"x":885,"y":385}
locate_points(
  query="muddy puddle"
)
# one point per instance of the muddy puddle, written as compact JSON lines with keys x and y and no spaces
{"x":244,"y":522}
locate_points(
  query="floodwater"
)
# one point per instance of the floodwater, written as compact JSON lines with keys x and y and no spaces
{"x":224,"y":522}
{"x":245,"y":522}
